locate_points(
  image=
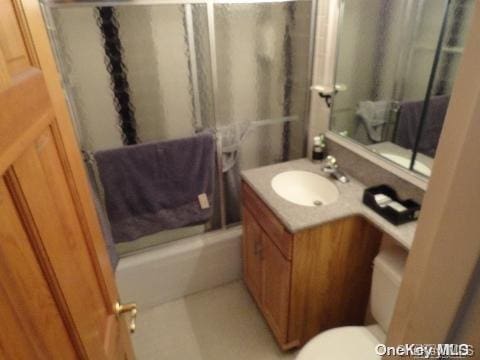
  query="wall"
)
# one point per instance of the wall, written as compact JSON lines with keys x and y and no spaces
{"x":465,"y":327}
{"x":444,"y":257}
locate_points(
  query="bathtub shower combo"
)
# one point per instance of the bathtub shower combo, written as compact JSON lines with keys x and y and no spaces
{"x":138,"y":73}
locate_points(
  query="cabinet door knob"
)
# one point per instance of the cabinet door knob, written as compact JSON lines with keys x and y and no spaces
{"x":127,"y":308}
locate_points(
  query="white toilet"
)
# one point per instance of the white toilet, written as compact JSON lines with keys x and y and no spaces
{"x":359,"y":342}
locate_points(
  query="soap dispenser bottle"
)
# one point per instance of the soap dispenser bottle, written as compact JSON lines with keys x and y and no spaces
{"x":319,"y":148}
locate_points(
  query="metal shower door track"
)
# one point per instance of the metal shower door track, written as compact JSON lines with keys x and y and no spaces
{"x":91,"y":3}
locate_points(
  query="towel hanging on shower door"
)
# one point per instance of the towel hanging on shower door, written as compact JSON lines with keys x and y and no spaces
{"x":158,"y":186}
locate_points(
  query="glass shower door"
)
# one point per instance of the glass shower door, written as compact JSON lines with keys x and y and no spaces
{"x":238,"y":69}
{"x":262,"y":53}
{"x":158,"y":57}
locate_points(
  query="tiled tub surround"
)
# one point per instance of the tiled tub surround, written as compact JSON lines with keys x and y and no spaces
{"x":297,"y":217}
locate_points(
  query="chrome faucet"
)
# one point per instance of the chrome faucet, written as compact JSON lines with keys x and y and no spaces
{"x":330,"y":166}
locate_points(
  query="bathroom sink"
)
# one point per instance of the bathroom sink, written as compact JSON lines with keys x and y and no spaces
{"x":405,"y":162}
{"x":305,"y":188}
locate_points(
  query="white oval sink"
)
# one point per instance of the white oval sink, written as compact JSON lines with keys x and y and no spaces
{"x":405,"y":162}
{"x":305,"y":188}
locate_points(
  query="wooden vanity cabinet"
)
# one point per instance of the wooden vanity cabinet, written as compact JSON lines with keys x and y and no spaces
{"x":310,"y":281}
{"x":252,"y":259}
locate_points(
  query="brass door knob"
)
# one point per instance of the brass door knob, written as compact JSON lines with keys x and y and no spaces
{"x":131,"y":308}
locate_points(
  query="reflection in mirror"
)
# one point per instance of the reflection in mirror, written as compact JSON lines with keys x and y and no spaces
{"x":443,"y":75}
{"x":397,"y":61}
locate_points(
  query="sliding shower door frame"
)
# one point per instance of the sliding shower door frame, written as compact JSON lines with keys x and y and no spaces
{"x":93,"y":3}
{"x":47,"y":5}
{"x":193,"y":66}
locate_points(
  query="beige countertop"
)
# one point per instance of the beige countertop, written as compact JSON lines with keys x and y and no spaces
{"x":297,"y":217}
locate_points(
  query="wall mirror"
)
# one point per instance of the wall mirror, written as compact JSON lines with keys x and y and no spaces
{"x":395,"y":68}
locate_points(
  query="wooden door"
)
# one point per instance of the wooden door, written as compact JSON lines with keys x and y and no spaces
{"x":29,"y":333}
{"x":18,"y":54}
{"x":57,"y":288}
{"x":276,"y":288}
{"x":252,"y":260}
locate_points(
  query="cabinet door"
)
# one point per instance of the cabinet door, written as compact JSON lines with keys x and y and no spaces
{"x":252,"y":262}
{"x":331,"y":276}
{"x":276,"y":288}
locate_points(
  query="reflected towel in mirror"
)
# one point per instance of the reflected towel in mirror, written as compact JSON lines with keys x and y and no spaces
{"x":409,"y":122}
{"x":373,"y":115}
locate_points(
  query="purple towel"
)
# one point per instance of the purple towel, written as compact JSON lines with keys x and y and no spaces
{"x":155,"y":186}
{"x":409,"y":121}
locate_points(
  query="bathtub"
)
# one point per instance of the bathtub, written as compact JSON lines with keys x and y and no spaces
{"x":179,"y":268}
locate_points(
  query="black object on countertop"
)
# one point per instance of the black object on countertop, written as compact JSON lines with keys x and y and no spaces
{"x":395,"y":217}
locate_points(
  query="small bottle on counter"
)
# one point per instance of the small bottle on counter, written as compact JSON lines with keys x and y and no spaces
{"x":319,"y":148}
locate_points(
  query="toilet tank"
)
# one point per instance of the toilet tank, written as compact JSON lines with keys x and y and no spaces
{"x":388,"y":271}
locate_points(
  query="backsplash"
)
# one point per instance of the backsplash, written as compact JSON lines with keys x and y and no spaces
{"x":371,"y":174}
